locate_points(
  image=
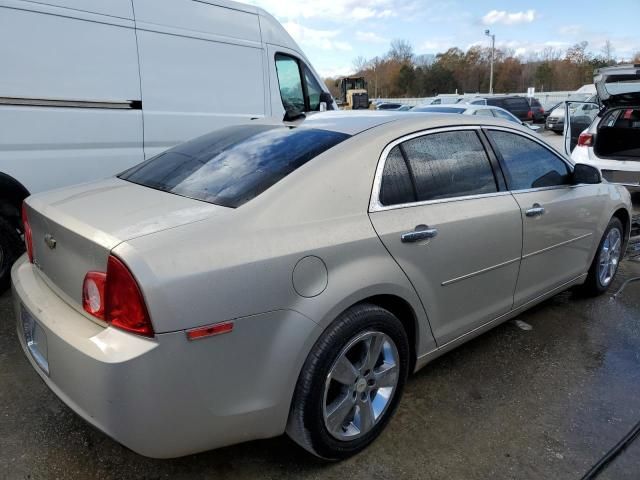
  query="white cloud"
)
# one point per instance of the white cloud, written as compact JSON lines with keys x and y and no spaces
{"x":436,"y":46}
{"x":370,"y":37}
{"x":508,"y":18}
{"x":310,"y":37}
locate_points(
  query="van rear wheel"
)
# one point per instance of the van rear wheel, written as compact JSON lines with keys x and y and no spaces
{"x":10,"y":249}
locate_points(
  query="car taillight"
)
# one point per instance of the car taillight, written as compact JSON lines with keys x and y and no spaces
{"x":529,"y":114}
{"x":116,"y":298}
{"x":541,"y":111}
{"x":28,"y":235}
{"x":585,"y":140}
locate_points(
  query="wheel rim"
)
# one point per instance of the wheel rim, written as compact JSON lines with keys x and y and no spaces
{"x":609,"y":256}
{"x":360,"y":385}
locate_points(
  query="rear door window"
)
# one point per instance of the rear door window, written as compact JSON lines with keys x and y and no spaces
{"x":233,"y":165}
{"x":528,"y":164}
{"x":437,"y":166}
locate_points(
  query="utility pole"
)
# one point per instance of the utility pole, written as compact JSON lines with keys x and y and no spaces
{"x":493,"y":50}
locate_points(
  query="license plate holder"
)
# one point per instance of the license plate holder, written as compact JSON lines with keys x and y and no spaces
{"x":35,"y":339}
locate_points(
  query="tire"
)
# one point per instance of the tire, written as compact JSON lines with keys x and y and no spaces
{"x":313,"y":423}
{"x":11,"y":248}
{"x":597,"y":283}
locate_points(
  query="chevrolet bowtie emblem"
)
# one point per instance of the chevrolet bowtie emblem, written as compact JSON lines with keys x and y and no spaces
{"x":50,"y":241}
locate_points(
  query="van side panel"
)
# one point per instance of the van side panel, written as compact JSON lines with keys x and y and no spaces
{"x":203,"y":72}
{"x":66,"y":56}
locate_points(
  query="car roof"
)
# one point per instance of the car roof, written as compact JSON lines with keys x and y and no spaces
{"x":354,"y":122}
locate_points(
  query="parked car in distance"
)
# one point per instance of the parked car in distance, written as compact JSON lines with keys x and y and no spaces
{"x":264,"y":278}
{"x":77,"y":82}
{"x":480,"y":110}
{"x":555,"y":120}
{"x":389,"y":106}
{"x":519,"y":106}
{"x":609,"y":137}
{"x":548,"y":110}
{"x":537,"y":111}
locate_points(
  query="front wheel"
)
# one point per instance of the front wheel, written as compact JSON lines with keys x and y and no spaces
{"x":607,"y":259}
{"x":350,"y":384}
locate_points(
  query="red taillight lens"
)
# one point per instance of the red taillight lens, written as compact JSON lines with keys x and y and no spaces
{"x":585,"y":140}
{"x":116,"y":298}
{"x":28,"y":235}
{"x":541,"y":111}
{"x":529,"y":114}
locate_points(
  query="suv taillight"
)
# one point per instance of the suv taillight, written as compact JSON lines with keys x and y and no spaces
{"x":116,"y":298}
{"x":529,"y":114}
{"x":585,"y":140}
{"x":28,"y":235}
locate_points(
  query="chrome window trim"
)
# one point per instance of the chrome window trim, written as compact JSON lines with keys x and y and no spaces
{"x":374,"y":202}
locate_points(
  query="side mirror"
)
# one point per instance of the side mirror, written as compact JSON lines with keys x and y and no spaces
{"x":327,"y":99}
{"x":583,"y":173}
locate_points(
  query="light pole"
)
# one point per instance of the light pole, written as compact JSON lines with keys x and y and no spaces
{"x":493,"y":49}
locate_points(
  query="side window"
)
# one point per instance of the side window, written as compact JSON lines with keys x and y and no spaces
{"x":396,"y":186}
{"x":313,"y":89}
{"x":449,"y":164}
{"x":290,"y":82}
{"x":437,"y":101}
{"x":485,"y":112}
{"x":529,"y":164}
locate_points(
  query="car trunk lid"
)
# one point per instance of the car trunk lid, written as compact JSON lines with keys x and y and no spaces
{"x":74,"y":229}
{"x":618,"y":86}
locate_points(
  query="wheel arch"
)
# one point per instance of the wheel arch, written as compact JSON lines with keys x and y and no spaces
{"x":12,"y":193}
{"x":624,"y":216}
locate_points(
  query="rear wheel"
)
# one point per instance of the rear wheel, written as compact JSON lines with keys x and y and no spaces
{"x":10,"y":249}
{"x":350,"y":384}
{"x":607,"y":259}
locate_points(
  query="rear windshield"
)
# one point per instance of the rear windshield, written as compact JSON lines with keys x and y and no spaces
{"x":439,"y":109}
{"x":233,"y":165}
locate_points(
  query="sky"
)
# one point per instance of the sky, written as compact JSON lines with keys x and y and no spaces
{"x":332,"y":33}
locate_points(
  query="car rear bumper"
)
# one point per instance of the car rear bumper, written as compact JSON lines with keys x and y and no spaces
{"x":167,"y":396}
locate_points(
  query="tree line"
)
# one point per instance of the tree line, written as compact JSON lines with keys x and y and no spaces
{"x":401,"y":73}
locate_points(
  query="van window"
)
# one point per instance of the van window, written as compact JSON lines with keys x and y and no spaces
{"x":299,"y":89}
{"x":313,"y":89}
{"x":290,"y":83}
{"x":233,"y":165}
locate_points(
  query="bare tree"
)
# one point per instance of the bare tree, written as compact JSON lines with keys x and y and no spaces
{"x":401,"y":51}
{"x":359,"y":64}
{"x":608,"y":51}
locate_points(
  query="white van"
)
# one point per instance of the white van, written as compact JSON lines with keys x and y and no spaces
{"x":89,"y":88}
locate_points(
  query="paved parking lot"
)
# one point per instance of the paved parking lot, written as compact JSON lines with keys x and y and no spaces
{"x":527,"y":404}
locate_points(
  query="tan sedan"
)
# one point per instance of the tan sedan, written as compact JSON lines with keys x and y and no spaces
{"x":266,"y":278}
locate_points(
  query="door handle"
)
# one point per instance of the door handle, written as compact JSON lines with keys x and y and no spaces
{"x":421,"y":232}
{"x":535,"y":211}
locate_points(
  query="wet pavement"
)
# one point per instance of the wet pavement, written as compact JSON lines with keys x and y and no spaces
{"x":511,"y":404}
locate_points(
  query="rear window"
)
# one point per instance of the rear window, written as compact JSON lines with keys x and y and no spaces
{"x":233,"y":165}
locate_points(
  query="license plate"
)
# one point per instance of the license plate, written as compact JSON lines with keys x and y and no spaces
{"x":35,"y":338}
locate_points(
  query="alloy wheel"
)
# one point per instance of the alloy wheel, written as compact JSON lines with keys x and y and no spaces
{"x":609,"y":256}
{"x":360,"y":385}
